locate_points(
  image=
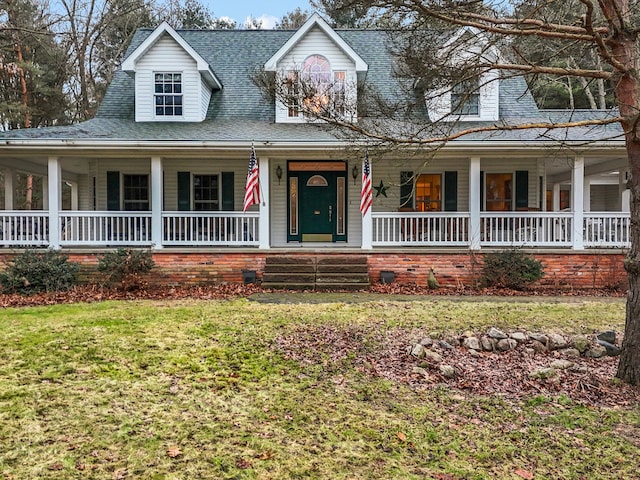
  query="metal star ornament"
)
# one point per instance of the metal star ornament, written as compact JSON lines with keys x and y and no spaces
{"x":381,"y":189}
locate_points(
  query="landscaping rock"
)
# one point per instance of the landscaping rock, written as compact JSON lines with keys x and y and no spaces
{"x":445,"y":345}
{"x":569,"y":352}
{"x":562,"y":364}
{"x":447,"y":371}
{"x":474,"y":353}
{"x":581,"y":343}
{"x":597,"y":351}
{"x":506,"y":344}
{"x":472,"y":343}
{"x":539,"y":337}
{"x":493,"y":332}
{"x":431,"y":356}
{"x":612,"y":350}
{"x":420,"y":371}
{"x":543,"y":373}
{"x":608,"y":336}
{"x":488,"y":344}
{"x":426,"y":342}
{"x":418,"y":350}
{"x":556,"y":342}
{"x":519,"y":337}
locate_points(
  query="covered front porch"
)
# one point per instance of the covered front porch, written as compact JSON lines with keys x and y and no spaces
{"x":87,"y":216}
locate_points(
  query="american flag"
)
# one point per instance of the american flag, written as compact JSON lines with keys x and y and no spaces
{"x":366,"y":196}
{"x":252,"y":189}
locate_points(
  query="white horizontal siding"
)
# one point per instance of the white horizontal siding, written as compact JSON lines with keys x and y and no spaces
{"x":124,"y":166}
{"x":166,"y":56}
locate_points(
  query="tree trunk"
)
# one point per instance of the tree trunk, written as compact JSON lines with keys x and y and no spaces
{"x":627,"y":88}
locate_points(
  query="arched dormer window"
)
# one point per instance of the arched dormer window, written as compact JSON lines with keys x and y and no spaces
{"x":316,"y":88}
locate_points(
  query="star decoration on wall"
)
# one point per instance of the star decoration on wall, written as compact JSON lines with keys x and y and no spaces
{"x":381,"y":189}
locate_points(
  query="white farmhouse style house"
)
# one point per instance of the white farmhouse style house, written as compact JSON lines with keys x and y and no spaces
{"x":163,"y":165}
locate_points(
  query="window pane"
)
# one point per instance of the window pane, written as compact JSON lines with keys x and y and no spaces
{"x":499,"y":188}
{"x":166,"y":86}
{"x":429,"y":193}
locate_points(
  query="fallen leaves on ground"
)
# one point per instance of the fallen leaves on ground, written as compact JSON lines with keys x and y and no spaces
{"x":97,"y":293}
{"x":379,"y":351}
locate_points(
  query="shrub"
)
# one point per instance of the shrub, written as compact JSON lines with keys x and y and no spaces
{"x":39,"y":271}
{"x":511,"y":269}
{"x":126,"y":267}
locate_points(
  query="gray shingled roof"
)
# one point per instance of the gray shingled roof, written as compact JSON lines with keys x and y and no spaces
{"x":240,"y":112}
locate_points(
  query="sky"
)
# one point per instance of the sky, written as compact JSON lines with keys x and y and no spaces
{"x":269,"y":11}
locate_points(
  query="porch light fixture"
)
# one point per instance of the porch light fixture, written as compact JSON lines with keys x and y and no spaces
{"x":354,"y":173}
{"x":279,"y":173}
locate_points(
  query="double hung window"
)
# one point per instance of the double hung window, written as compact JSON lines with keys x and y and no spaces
{"x":168,"y":94}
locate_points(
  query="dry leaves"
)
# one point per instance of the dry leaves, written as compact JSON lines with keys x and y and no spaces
{"x":173,"y":451}
{"x":505,"y":374}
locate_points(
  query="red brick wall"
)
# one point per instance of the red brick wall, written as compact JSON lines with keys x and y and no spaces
{"x":571,"y":269}
{"x":577,"y":270}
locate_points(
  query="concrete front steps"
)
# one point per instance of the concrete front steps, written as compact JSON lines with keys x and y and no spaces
{"x":317,"y":272}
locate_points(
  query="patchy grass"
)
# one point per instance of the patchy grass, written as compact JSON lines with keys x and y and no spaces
{"x":198,"y":389}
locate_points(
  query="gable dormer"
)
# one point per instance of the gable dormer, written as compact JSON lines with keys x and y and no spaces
{"x":173,"y":83}
{"x":475,"y":98}
{"x":316,"y":69}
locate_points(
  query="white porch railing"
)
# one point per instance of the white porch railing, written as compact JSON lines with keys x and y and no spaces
{"x":607,"y":229}
{"x":497,"y":229}
{"x":24,"y":228}
{"x":210,"y":228}
{"x":526,"y":229}
{"x":424,"y":229}
{"x":105,"y":228}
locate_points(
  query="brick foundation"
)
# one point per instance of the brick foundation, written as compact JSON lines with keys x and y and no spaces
{"x":587,"y":269}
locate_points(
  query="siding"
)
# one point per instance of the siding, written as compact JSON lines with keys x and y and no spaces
{"x":167,"y":56}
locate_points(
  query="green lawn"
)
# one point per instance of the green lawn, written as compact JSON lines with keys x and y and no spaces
{"x":198,"y":389}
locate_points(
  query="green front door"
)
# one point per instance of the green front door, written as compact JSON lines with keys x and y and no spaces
{"x":317,"y":206}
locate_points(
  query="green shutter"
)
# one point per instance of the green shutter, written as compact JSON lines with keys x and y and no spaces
{"x":522,"y":189}
{"x":113,"y":190}
{"x":406,"y":189}
{"x":451,"y":191}
{"x":228,"y":204}
{"x":184,"y":191}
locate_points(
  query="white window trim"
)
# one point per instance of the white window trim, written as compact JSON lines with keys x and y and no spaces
{"x":167,"y":118}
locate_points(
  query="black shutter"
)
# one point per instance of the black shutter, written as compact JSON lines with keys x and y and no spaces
{"x":184,"y":191}
{"x":406,"y":189}
{"x":451,"y":191}
{"x":113,"y":191}
{"x":522,"y":189}
{"x":228,"y":204}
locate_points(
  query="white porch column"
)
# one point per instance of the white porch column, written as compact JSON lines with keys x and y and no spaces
{"x":54,"y":197}
{"x":8,"y":189}
{"x":156,"y":201}
{"x":74,"y":196}
{"x":474,"y":203}
{"x":556,"y":197}
{"x":624,"y":192}
{"x":577,"y":202}
{"x":264,"y":225}
{"x":586,"y":195}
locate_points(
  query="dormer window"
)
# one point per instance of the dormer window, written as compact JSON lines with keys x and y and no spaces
{"x":168,"y":94}
{"x":315,"y":89}
{"x":465,"y":98}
